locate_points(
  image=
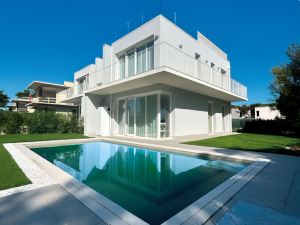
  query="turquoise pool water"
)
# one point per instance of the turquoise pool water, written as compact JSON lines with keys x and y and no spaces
{"x":153,"y":185}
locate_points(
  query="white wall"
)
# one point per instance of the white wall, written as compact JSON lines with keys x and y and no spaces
{"x":191,"y":113}
{"x":175,"y":36}
{"x":167,"y":32}
{"x":147,"y":30}
{"x":188,"y":111}
{"x":267,"y":113}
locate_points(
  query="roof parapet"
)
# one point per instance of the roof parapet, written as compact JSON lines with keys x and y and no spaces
{"x":205,"y":40}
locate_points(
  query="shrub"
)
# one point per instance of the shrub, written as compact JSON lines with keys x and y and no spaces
{"x":39,"y":122}
{"x":49,"y":122}
{"x":2,"y":120}
{"x":276,"y":127}
{"x":12,"y":122}
{"x":43,"y":122}
{"x":67,"y":123}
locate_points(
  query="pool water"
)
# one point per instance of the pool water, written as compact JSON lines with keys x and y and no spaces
{"x":152,"y":185}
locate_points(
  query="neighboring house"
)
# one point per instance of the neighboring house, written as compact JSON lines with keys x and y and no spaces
{"x":156,"y":82}
{"x":235,"y":113}
{"x":266,"y":113}
{"x":19,"y":104}
{"x":44,"y":97}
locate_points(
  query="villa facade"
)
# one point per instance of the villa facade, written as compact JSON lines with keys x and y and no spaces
{"x":44,"y":96}
{"x":156,"y":82}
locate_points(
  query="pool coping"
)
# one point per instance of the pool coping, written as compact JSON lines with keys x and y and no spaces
{"x":201,"y":210}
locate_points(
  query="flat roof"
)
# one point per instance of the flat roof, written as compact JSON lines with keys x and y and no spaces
{"x":37,"y":84}
{"x":20,"y":100}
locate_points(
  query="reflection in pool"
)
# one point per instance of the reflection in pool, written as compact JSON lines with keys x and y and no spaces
{"x":153,"y":185}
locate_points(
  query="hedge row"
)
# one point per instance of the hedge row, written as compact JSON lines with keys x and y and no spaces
{"x":38,"y":122}
{"x":276,"y":127}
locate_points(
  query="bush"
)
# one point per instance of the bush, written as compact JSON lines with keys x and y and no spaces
{"x":43,"y":122}
{"x":2,"y":120}
{"x":12,"y":122}
{"x":67,"y":123}
{"x":49,"y":122}
{"x":39,"y":122}
{"x":276,"y":127}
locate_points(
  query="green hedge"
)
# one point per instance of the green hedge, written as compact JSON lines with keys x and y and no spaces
{"x":39,"y":122}
{"x":274,"y":127}
{"x":10,"y":122}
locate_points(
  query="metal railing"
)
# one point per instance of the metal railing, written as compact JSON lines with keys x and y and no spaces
{"x":161,"y":55}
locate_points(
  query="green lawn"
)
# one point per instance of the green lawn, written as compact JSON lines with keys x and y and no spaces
{"x":10,"y":173}
{"x":252,"y":142}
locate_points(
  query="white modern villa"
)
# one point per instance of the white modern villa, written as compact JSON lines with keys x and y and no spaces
{"x":156,"y":82}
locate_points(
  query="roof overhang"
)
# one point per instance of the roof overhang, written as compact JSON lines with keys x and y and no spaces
{"x":20,"y":100}
{"x":75,"y":99}
{"x":167,"y":76}
{"x":37,"y":84}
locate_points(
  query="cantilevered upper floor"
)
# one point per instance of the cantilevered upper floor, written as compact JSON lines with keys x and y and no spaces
{"x":159,"y":52}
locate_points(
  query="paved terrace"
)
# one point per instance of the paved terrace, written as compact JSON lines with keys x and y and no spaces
{"x":276,"y":187}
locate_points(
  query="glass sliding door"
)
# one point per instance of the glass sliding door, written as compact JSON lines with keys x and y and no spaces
{"x":121,"y":117}
{"x":150,"y":56}
{"x":130,"y":116}
{"x":164,"y":115}
{"x":131,"y":63}
{"x":140,"y":116}
{"x":141,"y":59}
{"x":151,"y":120}
{"x":122,"y":66}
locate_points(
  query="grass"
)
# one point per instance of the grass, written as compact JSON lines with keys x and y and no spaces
{"x":252,"y":142}
{"x":10,"y":173}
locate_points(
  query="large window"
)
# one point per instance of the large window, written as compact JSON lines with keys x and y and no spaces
{"x":121,"y":118}
{"x":131,"y":63}
{"x":152,"y":116}
{"x":139,"y":60}
{"x":139,"y":115}
{"x":122,"y":66}
{"x":130,"y":116}
{"x":150,"y":56}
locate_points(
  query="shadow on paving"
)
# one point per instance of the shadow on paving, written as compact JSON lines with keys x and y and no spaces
{"x":48,"y":205}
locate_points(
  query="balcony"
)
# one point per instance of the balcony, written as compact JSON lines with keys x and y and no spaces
{"x":170,"y":58}
{"x":43,"y":100}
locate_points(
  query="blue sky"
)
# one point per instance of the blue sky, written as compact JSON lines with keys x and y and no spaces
{"x":49,"y":40}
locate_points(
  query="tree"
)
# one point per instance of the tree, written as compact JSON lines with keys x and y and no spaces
{"x":285,"y":87}
{"x":244,"y":110}
{"x":22,"y":94}
{"x":3,"y":99}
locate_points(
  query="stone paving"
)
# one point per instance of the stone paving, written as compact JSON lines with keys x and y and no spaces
{"x":47,"y":205}
{"x":276,"y":187}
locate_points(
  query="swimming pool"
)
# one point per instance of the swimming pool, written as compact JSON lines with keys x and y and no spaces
{"x":153,"y":185}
